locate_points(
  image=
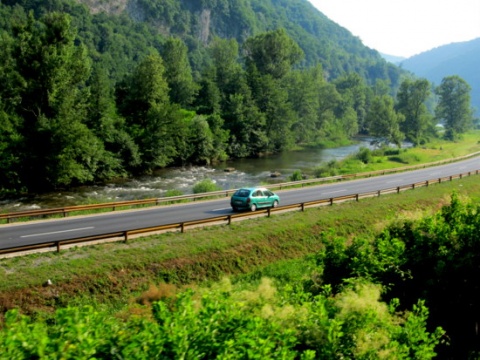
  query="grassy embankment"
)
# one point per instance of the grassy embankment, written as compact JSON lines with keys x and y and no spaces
{"x":119,"y":274}
{"x":382,"y":159}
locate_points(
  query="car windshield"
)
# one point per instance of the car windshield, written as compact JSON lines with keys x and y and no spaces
{"x":242,"y":193}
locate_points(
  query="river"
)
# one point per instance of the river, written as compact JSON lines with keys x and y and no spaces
{"x":246,"y":172}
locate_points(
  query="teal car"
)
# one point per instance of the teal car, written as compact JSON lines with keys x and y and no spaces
{"x":253,"y":199}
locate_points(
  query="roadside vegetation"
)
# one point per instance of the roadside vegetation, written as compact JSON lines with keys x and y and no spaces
{"x":278,"y":265}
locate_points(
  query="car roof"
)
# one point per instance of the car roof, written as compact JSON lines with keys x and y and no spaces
{"x":254,"y":188}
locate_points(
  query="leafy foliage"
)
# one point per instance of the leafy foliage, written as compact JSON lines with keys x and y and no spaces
{"x":434,"y":259}
{"x":454,"y":107}
{"x":228,"y":322}
{"x":204,"y":186}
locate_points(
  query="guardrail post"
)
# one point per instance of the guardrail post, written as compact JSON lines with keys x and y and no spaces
{"x":268,"y":212}
{"x":182,"y":226}
{"x":413,"y":186}
{"x":379,"y":192}
{"x":357,"y":197}
{"x":451,"y":178}
{"x":126,"y":236}
{"x":58,"y":246}
{"x":303,"y":206}
{"x":398,"y":189}
{"x":229,"y":222}
{"x":331,"y":201}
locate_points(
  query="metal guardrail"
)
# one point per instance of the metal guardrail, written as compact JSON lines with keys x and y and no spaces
{"x":126,"y":234}
{"x":65,"y":211}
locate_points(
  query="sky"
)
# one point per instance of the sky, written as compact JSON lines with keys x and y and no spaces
{"x":405,"y":27}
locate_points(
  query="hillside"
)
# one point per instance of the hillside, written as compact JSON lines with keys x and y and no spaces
{"x":114,"y":89}
{"x":454,"y":59}
{"x":198,"y":23}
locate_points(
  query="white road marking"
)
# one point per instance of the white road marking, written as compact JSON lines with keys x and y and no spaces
{"x":57,"y":232}
{"x":333,"y":192}
{"x":222,"y":209}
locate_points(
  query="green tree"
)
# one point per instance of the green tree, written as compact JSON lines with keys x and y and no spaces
{"x":411,"y":98}
{"x":178,"y":72}
{"x":329,"y":100}
{"x":271,"y":97}
{"x":106,"y":124}
{"x":454,"y":106}
{"x":303,"y":89}
{"x":273,"y":53}
{"x":201,"y":139}
{"x":143,"y":99}
{"x":383,"y":122}
{"x":57,"y":146}
{"x":227,"y":69}
{"x":220,"y":138}
{"x":354,"y":94}
{"x":246,"y":124}
{"x":208,"y":99}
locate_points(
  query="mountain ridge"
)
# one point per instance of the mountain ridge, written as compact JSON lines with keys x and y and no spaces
{"x":459,"y":58}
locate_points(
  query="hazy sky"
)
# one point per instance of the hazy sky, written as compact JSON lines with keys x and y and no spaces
{"x":405,"y":27}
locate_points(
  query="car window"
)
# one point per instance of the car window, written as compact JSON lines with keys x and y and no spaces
{"x":258,"y":193}
{"x":242,"y":193}
{"x":267,"y":193}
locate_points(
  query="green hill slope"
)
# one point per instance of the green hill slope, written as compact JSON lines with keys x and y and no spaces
{"x":198,"y":22}
{"x":454,"y":59}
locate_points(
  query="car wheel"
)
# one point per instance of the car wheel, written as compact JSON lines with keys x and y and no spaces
{"x":275,"y":204}
{"x":234,"y":208}
{"x":253,"y":207}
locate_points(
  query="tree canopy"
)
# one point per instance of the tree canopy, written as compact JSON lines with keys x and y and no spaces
{"x":87,"y":98}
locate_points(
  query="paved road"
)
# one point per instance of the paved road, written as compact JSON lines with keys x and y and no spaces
{"x":24,"y":234}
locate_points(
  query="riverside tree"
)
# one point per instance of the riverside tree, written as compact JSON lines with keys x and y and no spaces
{"x":46,"y":120}
{"x":411,"y":98}
{"x":384,"y":122}
{"x":454,"y":107}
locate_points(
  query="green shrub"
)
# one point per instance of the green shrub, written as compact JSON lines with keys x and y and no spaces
{"x":173,"y":192}
{"x":296,"y":176}
{"x":365,"y":155}
{"x":206,"y":185}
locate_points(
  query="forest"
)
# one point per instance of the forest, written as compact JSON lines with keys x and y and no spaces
{"x":82,"y":103}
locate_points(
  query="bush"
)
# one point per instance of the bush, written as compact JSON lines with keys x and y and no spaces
{"x":206,"y":185}
{"x":365,"y":155}
{"x":296,"y":176}
{"x":173,"y":192}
